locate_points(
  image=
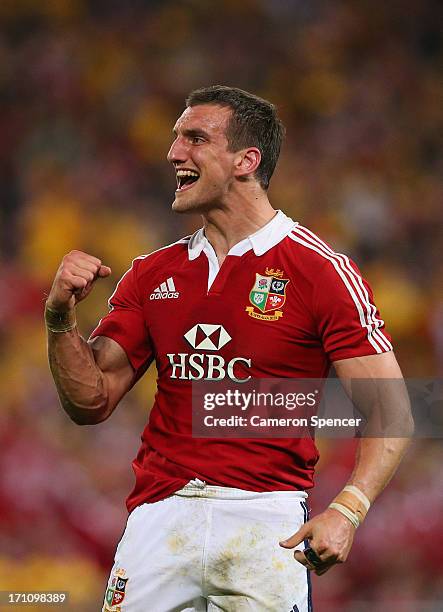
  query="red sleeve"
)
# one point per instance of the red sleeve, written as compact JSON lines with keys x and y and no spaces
{"x":348,"y":321}
{"x":125,"y":322}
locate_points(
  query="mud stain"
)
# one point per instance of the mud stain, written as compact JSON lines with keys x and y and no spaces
{"x":177,"y":542}
{"x":235,"y":572}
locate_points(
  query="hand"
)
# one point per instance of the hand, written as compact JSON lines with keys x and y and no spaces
{"x":330,"y":536}
{"x":74,"y":280}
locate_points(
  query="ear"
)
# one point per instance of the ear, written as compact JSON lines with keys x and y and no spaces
{"x":246,"y":162}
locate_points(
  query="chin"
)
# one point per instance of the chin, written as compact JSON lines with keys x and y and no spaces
{"x":184,"y":203}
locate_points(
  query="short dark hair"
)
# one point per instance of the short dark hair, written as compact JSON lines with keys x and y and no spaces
{"x":254,"y":123}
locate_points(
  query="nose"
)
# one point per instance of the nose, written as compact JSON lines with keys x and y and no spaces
{"x":178,"y":151}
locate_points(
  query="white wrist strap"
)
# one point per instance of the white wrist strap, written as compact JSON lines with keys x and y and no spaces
{"x":347,"y":513}
{"x":359,"y":494}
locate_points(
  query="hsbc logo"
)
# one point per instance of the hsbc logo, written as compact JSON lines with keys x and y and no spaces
{"x":207,"y":337}
{"x":199,"y":366}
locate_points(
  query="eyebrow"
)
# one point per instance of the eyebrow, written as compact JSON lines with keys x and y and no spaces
{"x":192,"y":133}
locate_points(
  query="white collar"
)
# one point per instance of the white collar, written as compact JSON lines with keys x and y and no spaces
{"x":261,"y":241}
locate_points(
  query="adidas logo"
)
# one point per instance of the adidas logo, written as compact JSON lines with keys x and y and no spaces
{"x":165,"y":291}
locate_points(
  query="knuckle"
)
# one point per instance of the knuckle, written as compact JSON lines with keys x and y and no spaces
{"x":67,"y":259}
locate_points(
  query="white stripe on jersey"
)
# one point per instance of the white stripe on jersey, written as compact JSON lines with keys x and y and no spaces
{"x":352,"y":281}
{"x":358,"y":284}
{"x":170,"y":282}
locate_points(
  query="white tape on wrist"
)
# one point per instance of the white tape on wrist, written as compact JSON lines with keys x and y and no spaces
{"x":347,"y":513}
{"x":359,"y":494}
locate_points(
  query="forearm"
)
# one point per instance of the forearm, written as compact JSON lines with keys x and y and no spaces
{"x":80,"y":383}
{"x":377,"y":460}
{"x":378,"y":391}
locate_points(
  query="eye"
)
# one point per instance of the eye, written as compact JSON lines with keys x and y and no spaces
{"x":197,"y":140}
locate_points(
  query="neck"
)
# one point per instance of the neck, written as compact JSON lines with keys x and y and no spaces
{"x":226,"y":226}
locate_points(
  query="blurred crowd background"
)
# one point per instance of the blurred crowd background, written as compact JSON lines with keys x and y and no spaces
{"x":89,"y":92}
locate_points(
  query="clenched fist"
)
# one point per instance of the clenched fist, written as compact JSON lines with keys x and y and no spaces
{"x":74,"y":280}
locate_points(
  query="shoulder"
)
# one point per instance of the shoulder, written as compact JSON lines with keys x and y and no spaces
{"x":319,"y":264}
{"x":310,"y":254}
{"x":164,"y":256}
{"x":307,"y":245}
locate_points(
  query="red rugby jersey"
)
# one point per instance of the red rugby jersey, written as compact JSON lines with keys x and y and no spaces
{"x":163,"y":309}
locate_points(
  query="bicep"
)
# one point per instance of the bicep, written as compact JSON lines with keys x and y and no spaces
{"x":382,"y":365}
{"x":118,"y":373}
{"x":376,"y":386}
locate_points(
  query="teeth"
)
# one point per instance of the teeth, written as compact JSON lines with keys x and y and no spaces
{"x":187,"y":173}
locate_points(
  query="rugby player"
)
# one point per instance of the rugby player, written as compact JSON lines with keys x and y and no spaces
{"x":252,"y":294}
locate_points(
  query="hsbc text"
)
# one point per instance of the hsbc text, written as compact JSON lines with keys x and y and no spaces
{"x":200,"y":366}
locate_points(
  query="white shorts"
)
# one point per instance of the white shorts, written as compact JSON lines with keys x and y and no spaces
{"x":211,"y":548}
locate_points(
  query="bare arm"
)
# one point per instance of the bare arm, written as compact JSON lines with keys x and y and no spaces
{"x":330,"y":533}
{"x":377,"y":458}
{"x":91,"y":378}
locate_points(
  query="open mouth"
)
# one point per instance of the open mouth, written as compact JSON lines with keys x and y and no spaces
{"x":186,"y":179}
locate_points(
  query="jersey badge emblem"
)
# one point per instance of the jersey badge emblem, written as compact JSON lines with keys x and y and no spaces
{"x":268,"y":295}
{"x":115,"y":592}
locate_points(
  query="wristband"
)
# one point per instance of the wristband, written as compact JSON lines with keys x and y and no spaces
{"x":347,"y":513}
{"x":59,"y":322}
{"x":360,"y":495}
{"x":352,"y":503}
